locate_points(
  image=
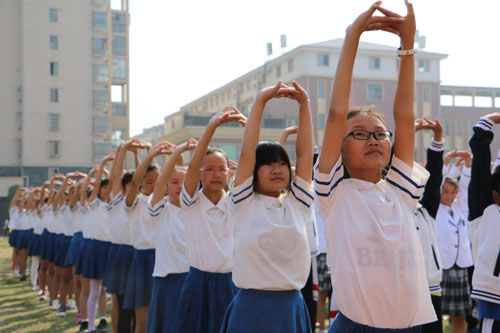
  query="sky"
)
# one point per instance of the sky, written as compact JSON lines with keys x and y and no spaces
{"x":182,"y":50}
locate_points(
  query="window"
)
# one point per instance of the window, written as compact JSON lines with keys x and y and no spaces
{"x":470,"y":128}
{"x":321,"y":123}
{"x":53,"y":17}
{"x":119,"y":110}
{"x":446,"y":100}
{"x":117,"y":137}
{"x":54,"y":42}
{"x":54,"y":149}
{"x":100,"y":124}
{"x":54,"y":121}
{"x":278,"y":71}
{"x":458,"y":127}
{"x":54,"y":95}
{"x":119,"y":45}
{"x":423,"y":65}
{"x":100,"y":46}
{"x":483,"y":101}
{"x":102,"y":2}
{"x":374,"y":63}
{"x":321,"y":89}
{"x":119,"y":21}
{"x":100,"y":73}
{"x":117,"y":93}
{"x":101,"y":97}
{"x":374,"y":91}
{"x":290,"y":66}
{"x":427,"y":94}
{"x":117,"y":5}
{"x":119,"y":69}
{"x":463,"y":99}
{"x":323,"y":60}
{"x":100,"y":20}
{"x":101,"y":149}
{"x":54,"y":68}
{"x":447,"y":127}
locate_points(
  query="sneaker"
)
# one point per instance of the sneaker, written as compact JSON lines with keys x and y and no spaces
{"x":22,"y":277}
{"x":16,"y":271}
{"x":71,"y":304}
{"x":62,"y":311}
{"x":55,"y":305}
{"x":84,"y":326}
{"x":33,"y":288}
{"x":103,"y":325}
{"x":43,"y":296}
{"x":79,"y":318}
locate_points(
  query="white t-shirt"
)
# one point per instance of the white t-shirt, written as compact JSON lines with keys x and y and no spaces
{"x":271,"y":245}
{"x":100,"y":216}
{"x":76,"y":215}
{"x":14,"y":218}
{"x":38,"y":223}
{"x":23,"y":220}
{"x":171,"y":253}
{"x":209,"y":234}
{"x":87,"y":223}
{"x":378,"y":271}
{"x":142,"y":228}
{"x":59,"y":220}
{"x":51,"y":220}
{"x":68,"y":227}
{"x":119,"y":221}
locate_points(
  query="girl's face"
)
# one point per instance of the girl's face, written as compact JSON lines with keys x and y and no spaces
{"x":102,"y":192}
{"x":148,"y":182}
{"x":214,"y":173}
{"x":365,"y":155}
{"x":448,"y":194}
{"x":273,"y":178}
{"x":174,"y":186}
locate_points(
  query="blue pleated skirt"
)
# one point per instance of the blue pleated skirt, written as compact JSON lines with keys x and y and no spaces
{"x":342,"y":324}
{"x":51,"y":247}
{"x":164,"y":302}
{"x":43,"y":244}
{"x":205,"y":297}
{"x":34,"y":249}
{"x":82,"y":258}
{"x":140,"y":280}
{"x":22,"y":240}
{"x":113,"y":250}
{"x":12,"y":237}
{"x":120,"y":268}
{"x":62,"y":247}
{"x":75,"y":246}
{"x":28,"y":239}
{"x":95,"y":265}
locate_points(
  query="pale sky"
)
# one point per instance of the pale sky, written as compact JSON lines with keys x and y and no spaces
{"x":181,"y":50}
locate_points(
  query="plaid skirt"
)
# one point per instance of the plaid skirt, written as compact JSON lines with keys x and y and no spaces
{"x":456,"y":300}
{"x":324,"y":281}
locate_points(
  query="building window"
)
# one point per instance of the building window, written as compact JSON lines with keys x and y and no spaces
{"x":53,"y":17}
{"x":54,"y":69}
{"x":54,"y":149}
{"x":101,"y":98}
{"x":290,"y":66}
{"x":119,"y":45}
{"x":423,"y":65}
{"x":100,"y":73}
{"x":100,"y":124}
{"x":447,"y":127}
{"x":102,"y":2}
{"x":54,"y":95}
{"x":117,"y":5}
{"x":321,"y":89}
{"x":119,"y":110}
{"x":458,"y":127}
{"x":117,"y":137}
{"x":118,"y":93}
{"x":119,"y":69}
{"x":54,"y":42}
{"x":374,"y":91}
{"x":100,"y":20}
{"x":100,"y":46}
{"x":119,"y":21}
{"x":323,"y":60}
{"x":427,"y":94}
{"x":54,"y":121}
{"x":101,"y":149}
{"x":321,"y":122}
{"x":278,"y":71}
{"x":470,"y":130}
{"x":374,"y":63}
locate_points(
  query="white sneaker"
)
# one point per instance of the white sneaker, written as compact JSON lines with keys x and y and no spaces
{"x":55,"y":305}
{"x":71,"y":304}
{"x":16,"y":271}
{"x":40,"y":292}
{"x":34,"y":288}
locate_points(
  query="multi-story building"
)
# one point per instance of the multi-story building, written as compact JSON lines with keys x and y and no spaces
{"x":63,"y":88}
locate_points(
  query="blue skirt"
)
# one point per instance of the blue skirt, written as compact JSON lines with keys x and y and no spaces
{"x":113,"y":250}
{"x":51,"y":247}
{"x":22,"y":240}
{"x":95,"y":265}
{"x":43,"y":244}
{"x":140,"y":280}
{"x":342,"y":324}
{"x":62,"y":247}
{"x":34,"y":249}
{"x":74,"y":249}
{"x":205,"y":297}
{"x":28,"y":239}
{"x":14,"y":234}
{"x":267,"y":311}
{"x":82,"y":258}
{"x":120,"y":268}
{"x":164,"y":302}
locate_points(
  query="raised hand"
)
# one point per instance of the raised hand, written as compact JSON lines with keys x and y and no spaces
{"x":367,"y":22}
{"x":494,"y":117}
{"x":296,"y":92}
{"x":227,"y":115}
{"x":404,"y":28}
{"x":435,"y":126}
{"x":465,"y":156}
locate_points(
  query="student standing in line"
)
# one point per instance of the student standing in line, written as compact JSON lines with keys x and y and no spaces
{"x":14,"y":226}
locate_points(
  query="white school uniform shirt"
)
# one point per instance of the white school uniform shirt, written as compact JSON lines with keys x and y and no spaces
{"x":38,"y":222}
{"x":170,"y":245}
{"x":321,"y":230}
{"x":76,"y":215}
{"x":142,"y":228}
{"x":67,"y":217}
{"x":271,"y":243}
{"x":14,"y":218}
{"x":86,"y":218}
{"x":378,"y":270}
{"x":59,"y":221}
{"x":485,"y":231}
{"x":23,"y":220}
{"x":208,"y":232}
{"x":43,"y":217}
{"x":51,"y":219}
{"x":100,"y":226}
{"x":119,"y":221}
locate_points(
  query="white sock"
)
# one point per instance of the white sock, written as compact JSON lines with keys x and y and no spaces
{"x":35,"y":261}
{"x":95,"y":291}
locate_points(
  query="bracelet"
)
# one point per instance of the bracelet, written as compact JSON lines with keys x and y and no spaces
{"x":308,"y":101}
{"x":405,"y":52}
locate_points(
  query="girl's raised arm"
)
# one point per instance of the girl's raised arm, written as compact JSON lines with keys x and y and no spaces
{"x":98,"y":178}
{"x":19,"y":192}
{"x":304,"y":143}
{"x":193,"y":172}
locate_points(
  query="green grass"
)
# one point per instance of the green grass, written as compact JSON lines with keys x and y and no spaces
{"x":20,"y":309}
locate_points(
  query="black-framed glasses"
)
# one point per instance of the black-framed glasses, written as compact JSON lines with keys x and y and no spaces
{"x":365,"y":135}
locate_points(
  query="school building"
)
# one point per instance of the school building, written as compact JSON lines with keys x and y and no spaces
{"x":63,"y":87}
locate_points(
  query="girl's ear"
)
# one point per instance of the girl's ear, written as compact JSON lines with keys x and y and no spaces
{"x":229,"y":173}
{"x":496,"y":197}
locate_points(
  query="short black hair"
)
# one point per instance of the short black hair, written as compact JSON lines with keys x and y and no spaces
{"x":212,"y":150}
{"x":268,"y":152}
{"x":104,"y":182}
{"x":152,"y":167}
{"x":127,"y":178}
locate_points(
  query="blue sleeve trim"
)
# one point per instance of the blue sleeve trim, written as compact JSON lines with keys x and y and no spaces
{"x":331,"y":179}
{"x":300,"y":200}
{"x":402,"y":189}
{"x":157,"y":208}
{"x":243,"y":190}
{"x":304,"y":191}
{"x":331,"y":188}
{"x":406,"y":177}
{"x":240,"y":200}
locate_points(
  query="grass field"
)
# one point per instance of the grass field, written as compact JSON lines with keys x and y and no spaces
{"x":21,"y":311}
